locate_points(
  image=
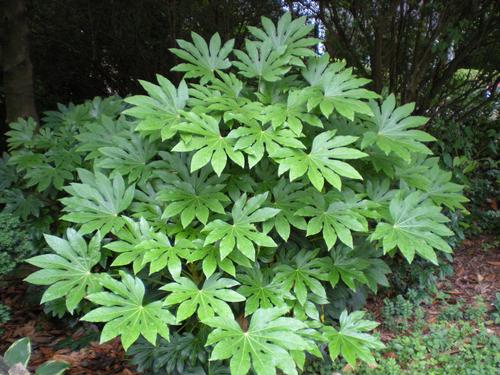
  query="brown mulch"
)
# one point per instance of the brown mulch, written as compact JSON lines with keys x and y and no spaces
{"x":50,"y":339}
{"x":476,"y":273}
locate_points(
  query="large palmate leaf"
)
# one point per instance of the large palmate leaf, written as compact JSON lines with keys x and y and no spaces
{"x":68,"y":270}
{"x":242,"y":233}
{"x":288,"y":197}
{"x":210,"y":258}
{"x":129,"y":156}
{"x":260,"y":290}
{"x":335,"y":214}
{"x":303,"y":273}
{"x":261,"y":61}
{"x":335,"y":88}
{"x":97,"y":202}
{"x":21,"y":133}
{"x":192,"y":195}
{"x":160,"y":253}
{"x":351,"y":340}
{"x":255,"y":140}
{"x":263,"y":347}
{"x":130,"y":236}
{"x":440,"y":189}
{"x":288,"y":36}
{"x":206,"y":138}
{"x":160,"y":110}
{"x":102,"y":133}
{"x":345,"y":266}
{"x":392,"y":129}
{"x":292,"y":114}
{"x":415,"y":225}
{"x":202,"y":59}
{"x":209,"y":300}
{"x":321,"y":163}
{"x":125,"y":313}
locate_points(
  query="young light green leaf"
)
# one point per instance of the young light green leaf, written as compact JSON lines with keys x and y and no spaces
{"x":96,"y":202}
{"x":351,"y":340}
{"x":125,"y":313}
{"x":208,"y":301}
{"x":68,"y":270}
{"x":242,"y":234}
{"x":261,"y":61}
{"x":303,"y":273}
{"x":202,"y":60}
{"x":159,"y":112}
{"x":393,"y":130}
{"x":321,"y":163}
{"x":260,"y":290}
{"x":335,"y":214}
{"x":415,"y":225}
{"x":337,"y":89}
{"x":265,"y":346}
{"x":205,"y":137}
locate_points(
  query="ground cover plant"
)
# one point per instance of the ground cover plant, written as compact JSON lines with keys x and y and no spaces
{"x":227,"y":211}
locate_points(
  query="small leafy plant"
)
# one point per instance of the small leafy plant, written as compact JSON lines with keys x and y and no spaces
{"x":15,"y":361}
{"x":241,"y":200}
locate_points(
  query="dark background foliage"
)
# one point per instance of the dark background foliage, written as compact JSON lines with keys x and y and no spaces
{"x":80,"y":49}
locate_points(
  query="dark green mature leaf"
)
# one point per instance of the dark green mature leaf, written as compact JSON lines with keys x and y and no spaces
{"x":21,"y":134}
{"x":125,"y":313}
{"x":242,"y":233}
{"x":415,"y":225}
{"x":346,"y":268}
{"x":129,"y":156}
{"x":160,"y":111}
{"x":351,"y":340}
{"x":69,"y":270}
{"x":288,"y":197}
{"x":102,"y":133}
{"x":393,"y":129}
{"x":265,"y":346}
{"x":321,"y":163}
{"x":209,"y":300}
{"x":202,"y":59}
{"x":97,"y":202}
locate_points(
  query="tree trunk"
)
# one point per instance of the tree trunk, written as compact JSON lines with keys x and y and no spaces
{"x":16,"y":63}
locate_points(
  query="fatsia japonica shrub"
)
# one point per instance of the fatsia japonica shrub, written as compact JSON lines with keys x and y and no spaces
{"x":271,"y":179}
{"x":42,"y":158}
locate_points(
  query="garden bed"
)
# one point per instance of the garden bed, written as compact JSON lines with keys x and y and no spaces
{"x":476,"y":273}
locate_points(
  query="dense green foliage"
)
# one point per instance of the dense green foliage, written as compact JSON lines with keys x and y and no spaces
{"x":42,"y":159}
{"x":240,"y":203}
{"x":16,"y":243}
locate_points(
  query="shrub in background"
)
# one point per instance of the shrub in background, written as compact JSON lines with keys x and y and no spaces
{"x":16,"y":243}
{"x":43,"y":158}
{"x":242,"y":202}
